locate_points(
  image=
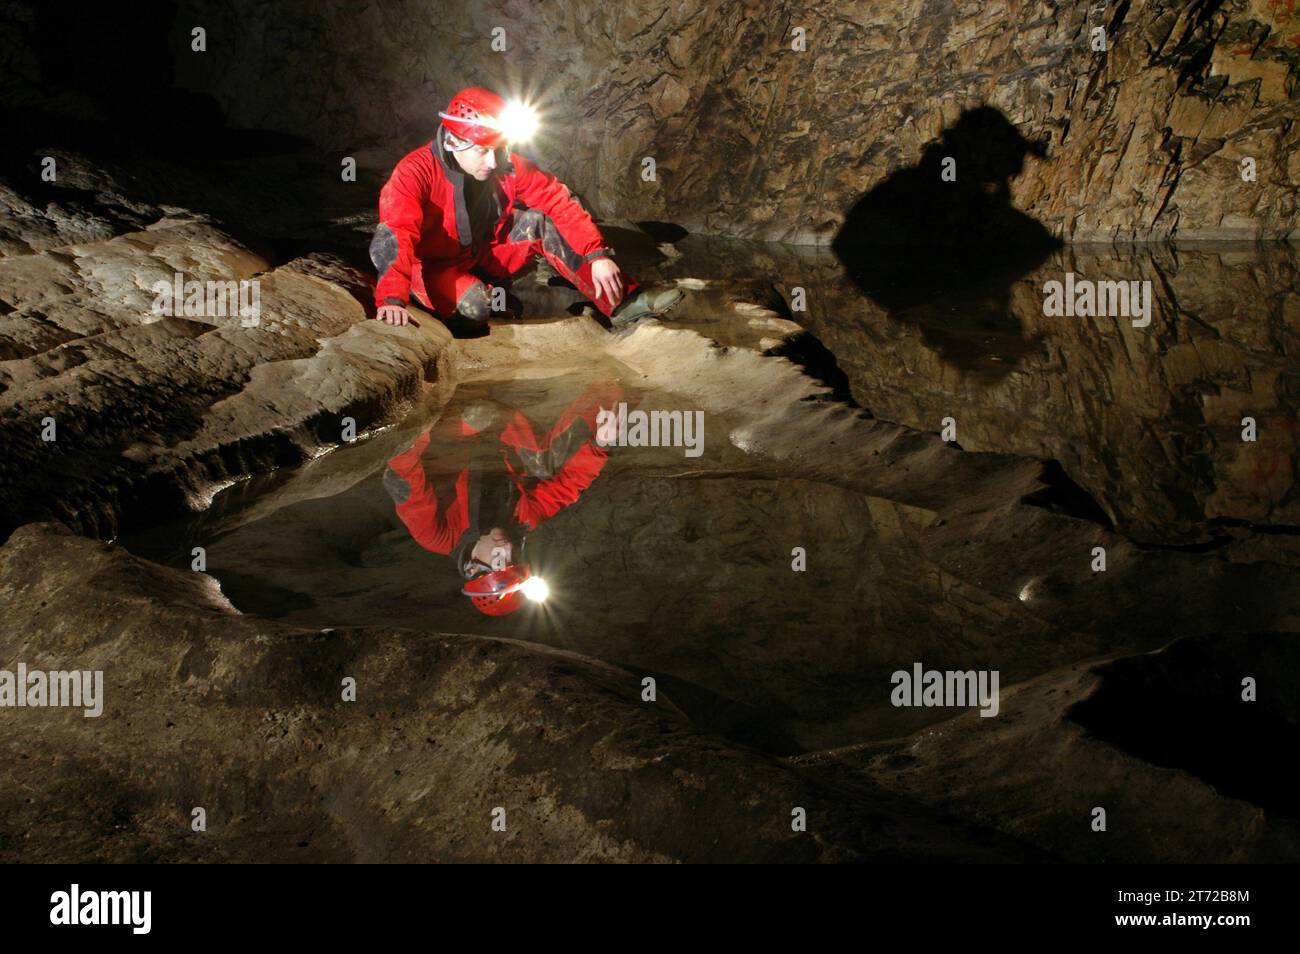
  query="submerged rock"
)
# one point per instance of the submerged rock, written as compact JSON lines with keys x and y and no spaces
{"x":245,"y":718}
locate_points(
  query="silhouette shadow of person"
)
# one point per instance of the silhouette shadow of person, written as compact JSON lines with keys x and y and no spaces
{"x":940,"y":245}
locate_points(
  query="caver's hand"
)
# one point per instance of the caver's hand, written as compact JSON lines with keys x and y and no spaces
{"x":607,"y":279}
{"x":394,"y":315}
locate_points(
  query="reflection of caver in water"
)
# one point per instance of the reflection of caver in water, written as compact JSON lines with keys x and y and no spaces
{"x":476,"y":483}
{"x":463,"y":213}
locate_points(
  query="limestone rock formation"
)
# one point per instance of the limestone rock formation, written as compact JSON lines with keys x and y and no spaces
{"x":151,"y":410}
{"x":1147,"y":420}
{"x":1095,"y":529}
{"x":755,"y":137}
{"x":1090,"y":737}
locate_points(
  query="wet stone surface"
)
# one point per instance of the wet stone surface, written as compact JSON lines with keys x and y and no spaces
{"x":681,"y":567}
{"x":821,"y":430}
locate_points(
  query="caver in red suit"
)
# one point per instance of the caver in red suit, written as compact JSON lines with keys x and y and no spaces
{"x":487,"y":466}
{"x":444,"y":237}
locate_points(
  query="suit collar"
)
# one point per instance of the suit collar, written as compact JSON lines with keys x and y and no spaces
{"x":457,"y":177}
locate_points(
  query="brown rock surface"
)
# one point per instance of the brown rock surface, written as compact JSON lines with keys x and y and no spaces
{"x":1147,"y":420}
{"x":243,"y":717}
{"x":753,"y":138}
{"x":1200,"y":787}
{"x":924,"y":552}
{"x":153,"y":411}
{"x":1072,"y":434}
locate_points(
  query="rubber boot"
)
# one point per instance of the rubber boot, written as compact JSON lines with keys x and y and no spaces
{"x":645,"y":303}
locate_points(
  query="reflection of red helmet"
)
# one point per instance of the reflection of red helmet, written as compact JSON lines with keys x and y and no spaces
{"x":472,"y":115}
{"x":499,"y":592}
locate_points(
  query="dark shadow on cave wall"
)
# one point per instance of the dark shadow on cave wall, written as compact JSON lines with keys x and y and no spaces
{"x":944,"y":255}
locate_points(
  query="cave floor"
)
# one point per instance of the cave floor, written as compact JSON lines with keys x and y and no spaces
{"x":949,"y":460}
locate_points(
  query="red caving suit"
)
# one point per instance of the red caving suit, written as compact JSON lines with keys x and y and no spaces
{"x":437,"y":484}
{"x":438,"y":226}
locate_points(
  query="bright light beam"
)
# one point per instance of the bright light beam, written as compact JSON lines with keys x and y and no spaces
{"x":518,"y":121}
{"x":536,"y":589}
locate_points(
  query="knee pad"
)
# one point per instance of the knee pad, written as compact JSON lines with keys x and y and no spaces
{"x":383,"y":249}
{"x":474,"y":303}
{"x":528,"y":225}
{"x":480,"y":415}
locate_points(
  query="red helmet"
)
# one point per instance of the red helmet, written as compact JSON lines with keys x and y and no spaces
{"x":472,"y":114}
{"x":499,"y":592}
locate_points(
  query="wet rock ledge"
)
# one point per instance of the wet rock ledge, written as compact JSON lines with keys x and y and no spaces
{"x":152,"y":412}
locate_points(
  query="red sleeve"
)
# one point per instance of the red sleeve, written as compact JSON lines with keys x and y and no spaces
{"x":541,"y":190}
{"x":401,"y":215}
{"x":435,"y":530}
{"x":538,"y":504}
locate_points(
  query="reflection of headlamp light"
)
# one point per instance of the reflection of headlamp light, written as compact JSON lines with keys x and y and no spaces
{"x":535,"y":589}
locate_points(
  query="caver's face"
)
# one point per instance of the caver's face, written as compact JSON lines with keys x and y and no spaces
{"x":494,"y":549}
{"x":477,"y":161}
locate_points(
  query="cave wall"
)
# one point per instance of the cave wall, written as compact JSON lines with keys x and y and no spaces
{"x":1146,"y":420}
{"x":753,"y":138}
